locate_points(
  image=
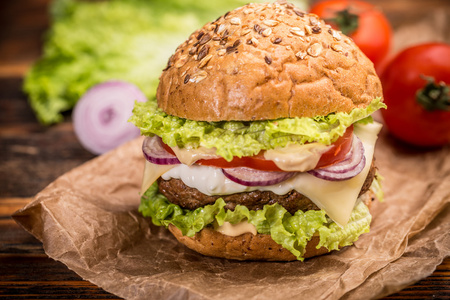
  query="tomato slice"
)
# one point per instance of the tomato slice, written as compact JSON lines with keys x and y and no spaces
{"x":336,"y":153}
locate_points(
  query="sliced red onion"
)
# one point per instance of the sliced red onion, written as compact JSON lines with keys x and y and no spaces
{"x":353,"y":163}
{"x":100,"y":117}
{"x":252,"y":177}
{"x":155,"y":153}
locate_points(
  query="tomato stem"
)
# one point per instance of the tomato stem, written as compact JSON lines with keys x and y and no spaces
{"x":434,"y":96}
{"x":346,"y":21}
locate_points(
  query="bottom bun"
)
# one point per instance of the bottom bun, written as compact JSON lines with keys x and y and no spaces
{"x":247,"y":246}
{"x":243,"y":247}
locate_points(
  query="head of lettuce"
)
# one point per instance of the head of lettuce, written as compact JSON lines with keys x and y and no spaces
{"x":260,"y":145}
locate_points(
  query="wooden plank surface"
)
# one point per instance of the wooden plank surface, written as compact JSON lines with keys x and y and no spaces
{"x":32,"y":156}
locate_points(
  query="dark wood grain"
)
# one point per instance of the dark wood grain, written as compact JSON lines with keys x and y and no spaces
{"x":32,"y":156}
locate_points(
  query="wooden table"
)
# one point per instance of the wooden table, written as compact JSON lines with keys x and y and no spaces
{"x":32,"y":156}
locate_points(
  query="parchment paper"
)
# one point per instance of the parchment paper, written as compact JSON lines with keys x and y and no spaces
{"x":88,"y":220}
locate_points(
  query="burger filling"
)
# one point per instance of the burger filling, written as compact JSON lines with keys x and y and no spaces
{"x":193,"y":196}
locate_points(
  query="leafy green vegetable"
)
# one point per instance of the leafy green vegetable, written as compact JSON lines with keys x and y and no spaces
{"x":291,"y":231}
{"x":93,"y":41}
{"x":234,"y":138}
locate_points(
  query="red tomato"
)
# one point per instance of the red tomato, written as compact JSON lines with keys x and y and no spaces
{"x":404,"y":76}
{"x":340,"y":147}
{"x":362,"y":21}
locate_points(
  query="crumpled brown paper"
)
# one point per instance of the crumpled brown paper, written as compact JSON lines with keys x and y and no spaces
{"x":88,"y":220}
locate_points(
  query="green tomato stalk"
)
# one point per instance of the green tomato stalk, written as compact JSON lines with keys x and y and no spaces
{"x":434,"y":96}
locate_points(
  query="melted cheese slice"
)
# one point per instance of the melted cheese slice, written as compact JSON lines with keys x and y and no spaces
{"x":336,"y":198}
{"x":151,"y":173}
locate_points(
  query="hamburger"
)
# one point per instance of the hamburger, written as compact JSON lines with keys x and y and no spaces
{"x":260,"y":143}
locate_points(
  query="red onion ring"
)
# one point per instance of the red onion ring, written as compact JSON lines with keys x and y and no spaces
{"x":155,"y":153}
{"x":252,"y":177}
{"x":100,"y":117}
{"x":348,"y":168}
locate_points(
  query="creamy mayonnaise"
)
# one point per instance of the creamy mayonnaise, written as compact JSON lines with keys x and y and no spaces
{"x":297,"y":158}
{"x":236,"y":229}
{"x":190,"y":156}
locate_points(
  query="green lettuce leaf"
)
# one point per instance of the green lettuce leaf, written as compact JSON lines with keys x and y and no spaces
{"x":233,"y":138}
{"x":291,"y":231}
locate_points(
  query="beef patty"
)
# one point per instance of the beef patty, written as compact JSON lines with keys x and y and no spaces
{"x":186,"y":197}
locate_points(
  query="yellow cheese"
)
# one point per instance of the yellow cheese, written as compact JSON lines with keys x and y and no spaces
{"x":151,"y":173}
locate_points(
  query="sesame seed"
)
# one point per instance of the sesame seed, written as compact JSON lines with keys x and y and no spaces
{"x":277,"y":40}
{"x":193,"y":50}
{"x":205,"y":61}
{"x":313,"y":20}
{"x":315,"y":49}
{"x":316,"y":29}
{"x":235,"y":21}
{"x":254,"y":42}
{"x":199,"y":35}
{"x":181,"y":61}
{"x":199,"y":76}
{"x":270,"y":23}
{"x":266,"y":32}
{"x":268,"y":60}
{"x":246,"y":31}
{"x":221,"y":52}
{"x":221,"y":28}
{"x":205,"y":38}
{"x":299,"y":13}
{"x":301,"y":54}
{"x":337,"y":47}
{"x":225,"y":34}
{"x":336,"y":35}
{"x":308,"y":29}
{"x":297,"y":31}
{"x":186,"y":79}
{"x":203,"y":52}
{"x":248,"y":11}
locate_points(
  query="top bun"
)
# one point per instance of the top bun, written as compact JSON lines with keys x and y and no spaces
{"x":266,"y":61}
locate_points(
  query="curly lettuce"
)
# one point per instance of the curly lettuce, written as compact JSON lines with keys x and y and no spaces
{"x":234,"y":138}
{"x":290,"y":231}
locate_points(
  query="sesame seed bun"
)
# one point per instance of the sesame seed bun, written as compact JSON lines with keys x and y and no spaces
{"x":266,"y":61}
